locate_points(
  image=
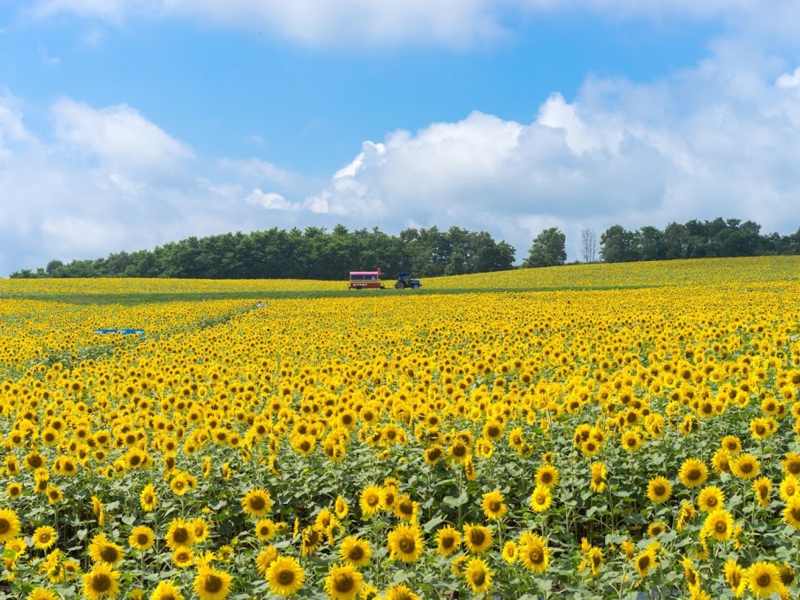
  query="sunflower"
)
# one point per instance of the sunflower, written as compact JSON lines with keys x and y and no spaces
{"x":9,"y":524}
{"x":478,"y":575}
{"x":448,"y":540}
{"x":710,"y":499}
{"x":645,"y":561}
{"x":44,"y":537}
{"x":182,"y":557}
{"x":340,"y":508}
{"x":719,"y":525}
{"x":103,"y":550}
{"x":14,"y":490}
{"x":285,"y":576}
{"x":257,"y":502}
{"x":312,"y":538}
{"x":42,"y":594}
{"x":763,"y":489}
{"x":791,"y":514}
{"x":510,"y":552}
{"x":541,"y":499}
{"x":343,"y":582}
{"x":764,"y":579}
{"x":355,"y":552}
{"x":477,"y":538}
{"x":492,"y":505}
{"x":403,"y":507}
{"x":547,"y":476}
{"x":656,"y":528}
{"x":736,"y":576}
{"x":693,"y":473}
{"x":101,"y":582}
{"x":265,"y":530}
{"x":746,"y":467}
{"x":405,"y":543}
{"x":265,"y":558}
{"x":142,"y":538}
{"x":166,"y":590}
{"x":720,"y":462}
{"x":200,"y":528}
{"x":179,"y":533}
{"x":371,"y":500}
{"x":791,"y":466}
{"x":533,"y":553}
{"x":789,"y":487}
{"x":659,"y":490}
{"x":148,"y":498}
{"x":400,"y":592}
{"x":599,"y":472}
{"x":211,"y":584}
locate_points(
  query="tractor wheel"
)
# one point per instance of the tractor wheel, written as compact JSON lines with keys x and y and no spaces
{"x":399,"y":285}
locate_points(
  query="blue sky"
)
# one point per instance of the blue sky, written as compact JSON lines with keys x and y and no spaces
{"x":128,"y":124}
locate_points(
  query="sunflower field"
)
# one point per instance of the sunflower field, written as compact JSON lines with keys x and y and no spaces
{"x":623,"y":440}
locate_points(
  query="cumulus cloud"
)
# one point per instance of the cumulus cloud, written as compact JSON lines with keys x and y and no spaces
{"x":118,"y":137}
{"x":450,"y":22}
{"x":270,"y":200}
{"x":100,"y":187}
{"x":717,"y":140}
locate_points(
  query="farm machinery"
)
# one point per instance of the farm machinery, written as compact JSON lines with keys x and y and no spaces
{"x":404,"y":281}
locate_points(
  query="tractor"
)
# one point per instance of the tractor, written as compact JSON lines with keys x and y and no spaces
{"x":404,"y":281}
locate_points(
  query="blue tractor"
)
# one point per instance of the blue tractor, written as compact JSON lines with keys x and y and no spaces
{"x":404,"y":281}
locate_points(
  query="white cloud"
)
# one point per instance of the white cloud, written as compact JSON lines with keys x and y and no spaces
{"x":270,"y":201}
{"x":118,"y":137}
{"x":718,"y":140}
{"x":789,"y":80}
{"x":450,"y":22}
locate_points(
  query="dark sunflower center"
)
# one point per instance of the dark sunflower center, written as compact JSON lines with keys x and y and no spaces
{"x":356,"y":553}
{"x":477,"y":537}
{"x":142,"y":539}
{"x":535,"y":555}
{"x":746,"y":467}
{"x":101,"y":582}
{"x":109,"y":554}
{"x":693,"y":474}
{"x":721,"y":527}
{"x":343,"y":583}
{"x":286,"y":577}
{"x":659,"y":489}
{"x":257,"y":503}
{"x":5,"y":525}
{"x":181,"y":535}
{"x":407,"y":545}
{"x":448,"y":541}
{"x":479,"y":578}
{"x":494,"y":506}
{"x":764,"y":580}
{"x":212,"y":584}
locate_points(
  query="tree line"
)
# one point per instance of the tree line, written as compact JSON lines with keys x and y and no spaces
{"x":694,"y":239}
{"x":313,"y":253}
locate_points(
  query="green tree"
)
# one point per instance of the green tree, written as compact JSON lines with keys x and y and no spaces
{"x":548,"y":249}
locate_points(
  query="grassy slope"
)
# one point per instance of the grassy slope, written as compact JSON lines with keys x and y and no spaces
{"x":726,"y":271}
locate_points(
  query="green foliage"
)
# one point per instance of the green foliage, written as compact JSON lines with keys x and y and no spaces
{"x":295,"y":254}
{"x":694,"y":239}
{"x":548,"y":250}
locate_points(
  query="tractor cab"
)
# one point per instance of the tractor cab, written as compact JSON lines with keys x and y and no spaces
{"x":404,"y":281}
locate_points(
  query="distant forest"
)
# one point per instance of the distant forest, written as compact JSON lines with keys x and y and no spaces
{"x":694,"y":239}
{"x":313,"y":253}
